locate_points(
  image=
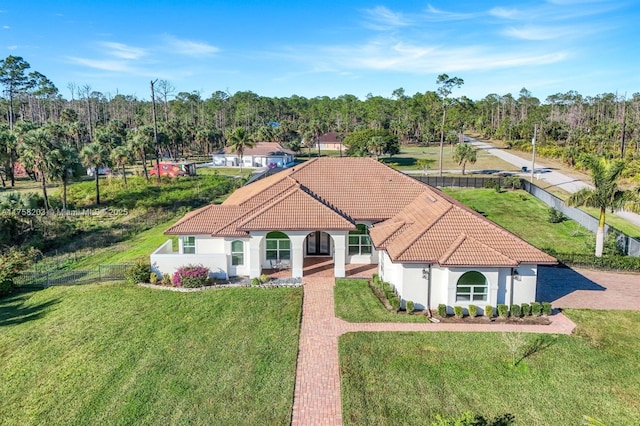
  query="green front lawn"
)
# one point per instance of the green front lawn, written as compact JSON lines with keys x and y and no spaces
{"x":410,"y":378}
{"x":121,"y":354}
{"x":355,"y":302}
{"x":525,"y":216}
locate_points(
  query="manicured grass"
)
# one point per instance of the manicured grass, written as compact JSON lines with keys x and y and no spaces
{"x":402,"y":378}
{"x":138,"y":247}
{"x":355,"y":302}
{"x":121,"y":354}
{"x":525,"y":216}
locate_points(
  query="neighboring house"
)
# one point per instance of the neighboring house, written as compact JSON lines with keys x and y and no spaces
{"x":263,"y":154}
{"x":331,"y":141}
{"x":359,"y":211}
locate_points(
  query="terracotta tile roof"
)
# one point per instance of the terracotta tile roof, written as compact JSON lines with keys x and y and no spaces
{"x":416,"y":223}
{"x":437,"y":229}
{"x":329,"y":137}
{"x":298,"y":209}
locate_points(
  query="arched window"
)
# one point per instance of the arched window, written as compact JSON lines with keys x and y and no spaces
{"x":278,"y":246}
{"x":472,"y":287}
{"x":237,"y":253}
{"x":359,"y":241}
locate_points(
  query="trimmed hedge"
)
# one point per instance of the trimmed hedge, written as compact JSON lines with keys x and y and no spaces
{"x":610,"y":262}
{"x":442,"y":310}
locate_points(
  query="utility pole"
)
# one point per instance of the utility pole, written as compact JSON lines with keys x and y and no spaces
{"x":155,"y":129}
{"x":533,"y":158}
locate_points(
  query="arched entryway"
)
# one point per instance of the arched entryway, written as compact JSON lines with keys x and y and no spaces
{"x":318,"y":243}
{"x":318,"y":255}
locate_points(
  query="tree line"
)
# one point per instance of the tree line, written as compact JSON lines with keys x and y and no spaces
{"x":121,"y":129}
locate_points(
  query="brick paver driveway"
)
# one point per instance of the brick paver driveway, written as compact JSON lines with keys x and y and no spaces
{"x":588,"y":289}
{"x":317,"y":389}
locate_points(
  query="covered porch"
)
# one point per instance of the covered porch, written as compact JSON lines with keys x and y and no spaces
{"x":324,"y":267}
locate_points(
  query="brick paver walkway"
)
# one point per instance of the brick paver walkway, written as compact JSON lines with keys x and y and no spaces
{"x":317,"y":389}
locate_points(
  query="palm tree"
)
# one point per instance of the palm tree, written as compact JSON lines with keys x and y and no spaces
{"x":464,"y":153}
{"x":141,"y":143}
{"x":35,"y":152}
{"x":64,"y":162}
{"x":95,"y":155}
{"x":121,"y":157}
{"x":446,"y":84}
{"x":377,"y":145}
{"x":238,"y":141}
{"x":605,"y":196}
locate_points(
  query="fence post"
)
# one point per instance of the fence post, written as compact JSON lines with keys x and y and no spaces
{"x":99,"y":273}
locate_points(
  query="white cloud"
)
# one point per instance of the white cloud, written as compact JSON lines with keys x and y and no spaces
{"x":501,"y":12}
{"x":442,"y":15}
{"x":189,"y":47}
{"x":12,"y":47}
{"x":104,"y":65}
{"x":5,"y":27}
{"x":384,"y":18}
{"x":123,"y":51}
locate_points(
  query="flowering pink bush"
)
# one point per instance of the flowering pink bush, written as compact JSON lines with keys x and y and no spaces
{"x":191,"y":276}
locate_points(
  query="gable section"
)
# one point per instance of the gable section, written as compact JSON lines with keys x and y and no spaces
{"x":297,"y":209}
{"x":466,"y":248}
{"x":206,"y":220}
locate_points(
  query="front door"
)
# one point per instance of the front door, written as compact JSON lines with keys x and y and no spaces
{"x":318,"y":244}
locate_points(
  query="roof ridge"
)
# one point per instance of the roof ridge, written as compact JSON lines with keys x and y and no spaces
{"x":190,"y":215}
{"x":325,"y":202}
{"x":453,"y":247}
{"x":290,"y":191}
{"x":475,"y":240}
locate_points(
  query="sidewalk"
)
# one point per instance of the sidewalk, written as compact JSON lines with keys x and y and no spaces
{"x":546,"y":174}
{"x":317,"y":399}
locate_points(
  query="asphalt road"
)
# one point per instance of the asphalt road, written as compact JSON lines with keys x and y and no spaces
{"x":546,"y":174}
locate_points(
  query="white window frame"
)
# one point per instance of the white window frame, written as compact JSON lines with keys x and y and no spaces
{"x":237,"y":254}
{"x":189,"y":244}
{"x":363,"y":241}
{"x":475,"y":290}
{"x":278,"y":249}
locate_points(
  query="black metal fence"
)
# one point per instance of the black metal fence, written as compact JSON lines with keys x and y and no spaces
{"x":44,"y":279}
{"x":462,"y":181}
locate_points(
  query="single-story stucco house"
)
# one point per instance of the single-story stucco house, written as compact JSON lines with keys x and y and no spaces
{"x":359,"y":211}
{"x":331,"y":141}
{"x":263,"y":154}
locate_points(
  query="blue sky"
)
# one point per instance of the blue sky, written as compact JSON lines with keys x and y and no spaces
{"x":329,"y":48}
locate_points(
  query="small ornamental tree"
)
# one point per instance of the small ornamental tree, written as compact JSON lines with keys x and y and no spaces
{"x":191,"y":276}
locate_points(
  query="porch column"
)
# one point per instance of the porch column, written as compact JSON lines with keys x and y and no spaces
{"x":297,"y":255}
{"x":255,"y":263}
{"x":339,"y":254}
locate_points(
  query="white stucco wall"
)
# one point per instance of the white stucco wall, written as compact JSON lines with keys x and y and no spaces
{"x":524,"y":288}
{"x":407,"y":279}
{"x":164,"y":261}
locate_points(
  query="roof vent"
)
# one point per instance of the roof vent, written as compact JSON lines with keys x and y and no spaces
{"x":432,"y":198}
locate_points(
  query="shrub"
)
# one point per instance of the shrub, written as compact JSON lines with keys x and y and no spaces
{"x":458,"y":311}
{"x":503,"y":310}
{"x":394,"y":301}
{"x":492,"y":184}
{"x":409,"y":306}
{"x":166,"y":279}
{"x":473,"y":311}
{"x":488,"y":311}
{"x":442,"y":310}
{"x":546,"y":308}
{"x":375,"y":279}
{"x":191,"y":276}
{"x":255,"y":281}
{"x":138,"y":273}
{"x":516,"y":311}
{"x":526,"y":310}
{"x":264,"y":278}
{"x":513,"y":182}
{"x":536,"y":309}
{"x":153,"y":278}
{"x":555,"y":216}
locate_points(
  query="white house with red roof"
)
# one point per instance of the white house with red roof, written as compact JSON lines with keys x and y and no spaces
{"x":263,"y":154}
{"x":357,"y":211}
